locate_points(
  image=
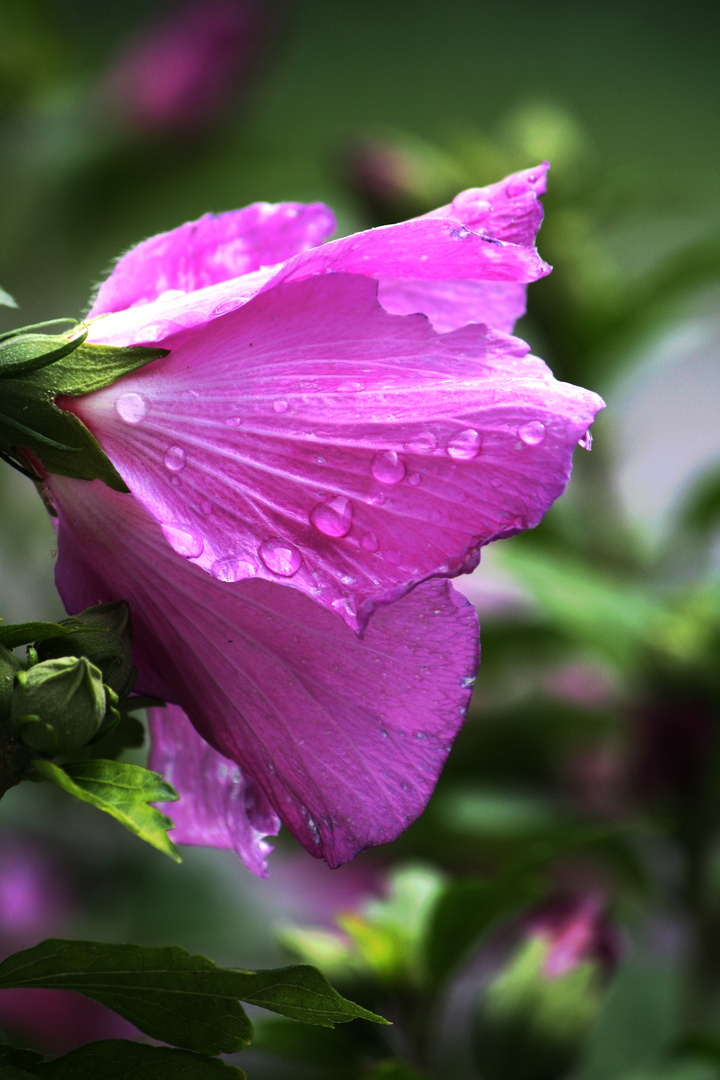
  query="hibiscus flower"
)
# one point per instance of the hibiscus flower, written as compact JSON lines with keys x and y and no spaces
{"x":337,"y":430}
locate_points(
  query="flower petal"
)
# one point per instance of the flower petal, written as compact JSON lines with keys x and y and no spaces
{"x":216,"y":248}
{"x":311,"y":436}
{"x":219,"y":806}
{"x":346,"y":737}
{"x":509,"y":210}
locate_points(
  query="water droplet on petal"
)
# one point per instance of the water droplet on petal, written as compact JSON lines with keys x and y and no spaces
{"x":496,"y":481}
{"x":280,"y":406}
{"x":424,"y":443}
{"x":174,"y":459}
{"x":280,"y":558}
{"x":468,"y":681}
{"x":233,"y":421}
{"x":460,"y":234}
{"x":586,"y":441}
{"x":465,"y":445}
{"x":206,"y":507}
{"x":132,"y":408}
{"x":420,"y":735}
{"x":333,"y":517}
{"x":185,"y":542}
{"x":383,"y":733}
{"x":234,"y":568}
{"x":369,"y":542}
{"x":388,"y":467}
{"x":349,"y":386}
{"x":532,"y":434}
{"x":414,"y":479}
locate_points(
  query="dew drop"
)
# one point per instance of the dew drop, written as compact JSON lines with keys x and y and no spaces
{"x":185,"y":542}
{"x":388,"y":467}
{"x":280,"y":406}
{"x":280,"y":558}
{"x":465,"y":445}
{"x":421,"y":736}
{"x":333,"y":517}
{"x":468,"y":681}
{"x":383,"y":733}
{"x":369,"y":541}
{"x":233,"y":421}
{"x":132,"y":408}
{"x":174,"y":459}
{"x":532,"y":434}
{"x":234,"y":568}
{"x":424,"y":443}
{"x":586,"y":441}
{"x":349,"y":386}
{"x":378,"y":500}
{"x":460,"y":234}
{"x":414,"y":479}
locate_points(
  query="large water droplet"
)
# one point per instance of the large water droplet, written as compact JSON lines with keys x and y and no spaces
{"x":174,"y":459}
{"x":532,"y":434}
{"x":465,"y":445}
{"x":234,"y":568}
{"x":388,"y":467}
{"x":333,"y":517}
{"x":280,"y":558}
{"x":132,"y":408}
{"x":280,"y":406}
{"x":185,"y":542}
{"x":424,"y":443}
{"x":586,"y":441}
{"x":369,"y":542}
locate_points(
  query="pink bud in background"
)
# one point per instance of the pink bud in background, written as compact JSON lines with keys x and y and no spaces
{"x":178,"y":76}
{"x":575,"y":930}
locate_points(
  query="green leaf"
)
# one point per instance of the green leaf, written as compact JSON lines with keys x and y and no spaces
{"x":6,"y":299}
{"x":299,"y":992}
{"x":91,"y":367}
{"x":167,"y":993}
{"x":119,"y":1059}
{"x":14,"y":635}
{"x":121,"y":790}
{"x":178,"y":998}
{"x":22,"y":351}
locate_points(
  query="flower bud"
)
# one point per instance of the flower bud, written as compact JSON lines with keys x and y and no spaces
{"x":58,"y":705}
{"x":537,"y":1011}
{"x":103,"y":635}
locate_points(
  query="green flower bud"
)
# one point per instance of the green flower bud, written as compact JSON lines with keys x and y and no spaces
{"x":58,"y":705}
{"x":103,"y":634}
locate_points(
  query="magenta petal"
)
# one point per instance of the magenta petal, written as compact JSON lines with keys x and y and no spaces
{"x":214,"y":249}
{"x":311,"y":437}
{"x":346,"y":737}
{"x":452,"y":304}
{"x":219,"y":806}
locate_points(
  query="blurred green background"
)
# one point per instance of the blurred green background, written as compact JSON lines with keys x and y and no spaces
{"x":579,"y":815}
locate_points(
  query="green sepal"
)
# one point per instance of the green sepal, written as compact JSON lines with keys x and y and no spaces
{"x":14,"y":635}
{"x":122,"y":790}
{"x":102,"y":634}
{"x":115,"y":1059}
{"x":35,"y":369}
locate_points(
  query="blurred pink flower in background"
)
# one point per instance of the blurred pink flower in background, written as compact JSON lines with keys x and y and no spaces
{"x":575,"y":929}
{"x":36,"y":902}
{"x":178,"y":76}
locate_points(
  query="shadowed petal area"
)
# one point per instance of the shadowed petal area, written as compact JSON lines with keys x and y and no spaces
{"x":346,"y":737}
{"x":213,"y":249}
{"x":311,"y":437}
{"x":219,"y":806}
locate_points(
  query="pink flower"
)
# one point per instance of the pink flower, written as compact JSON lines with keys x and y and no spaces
{"x":306,"y":467}
{"x":181,"y":72}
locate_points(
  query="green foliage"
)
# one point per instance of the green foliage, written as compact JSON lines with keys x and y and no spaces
{"x":121,"y":790}
{"x":116,"y":1059}
{"x":180,"y":999}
